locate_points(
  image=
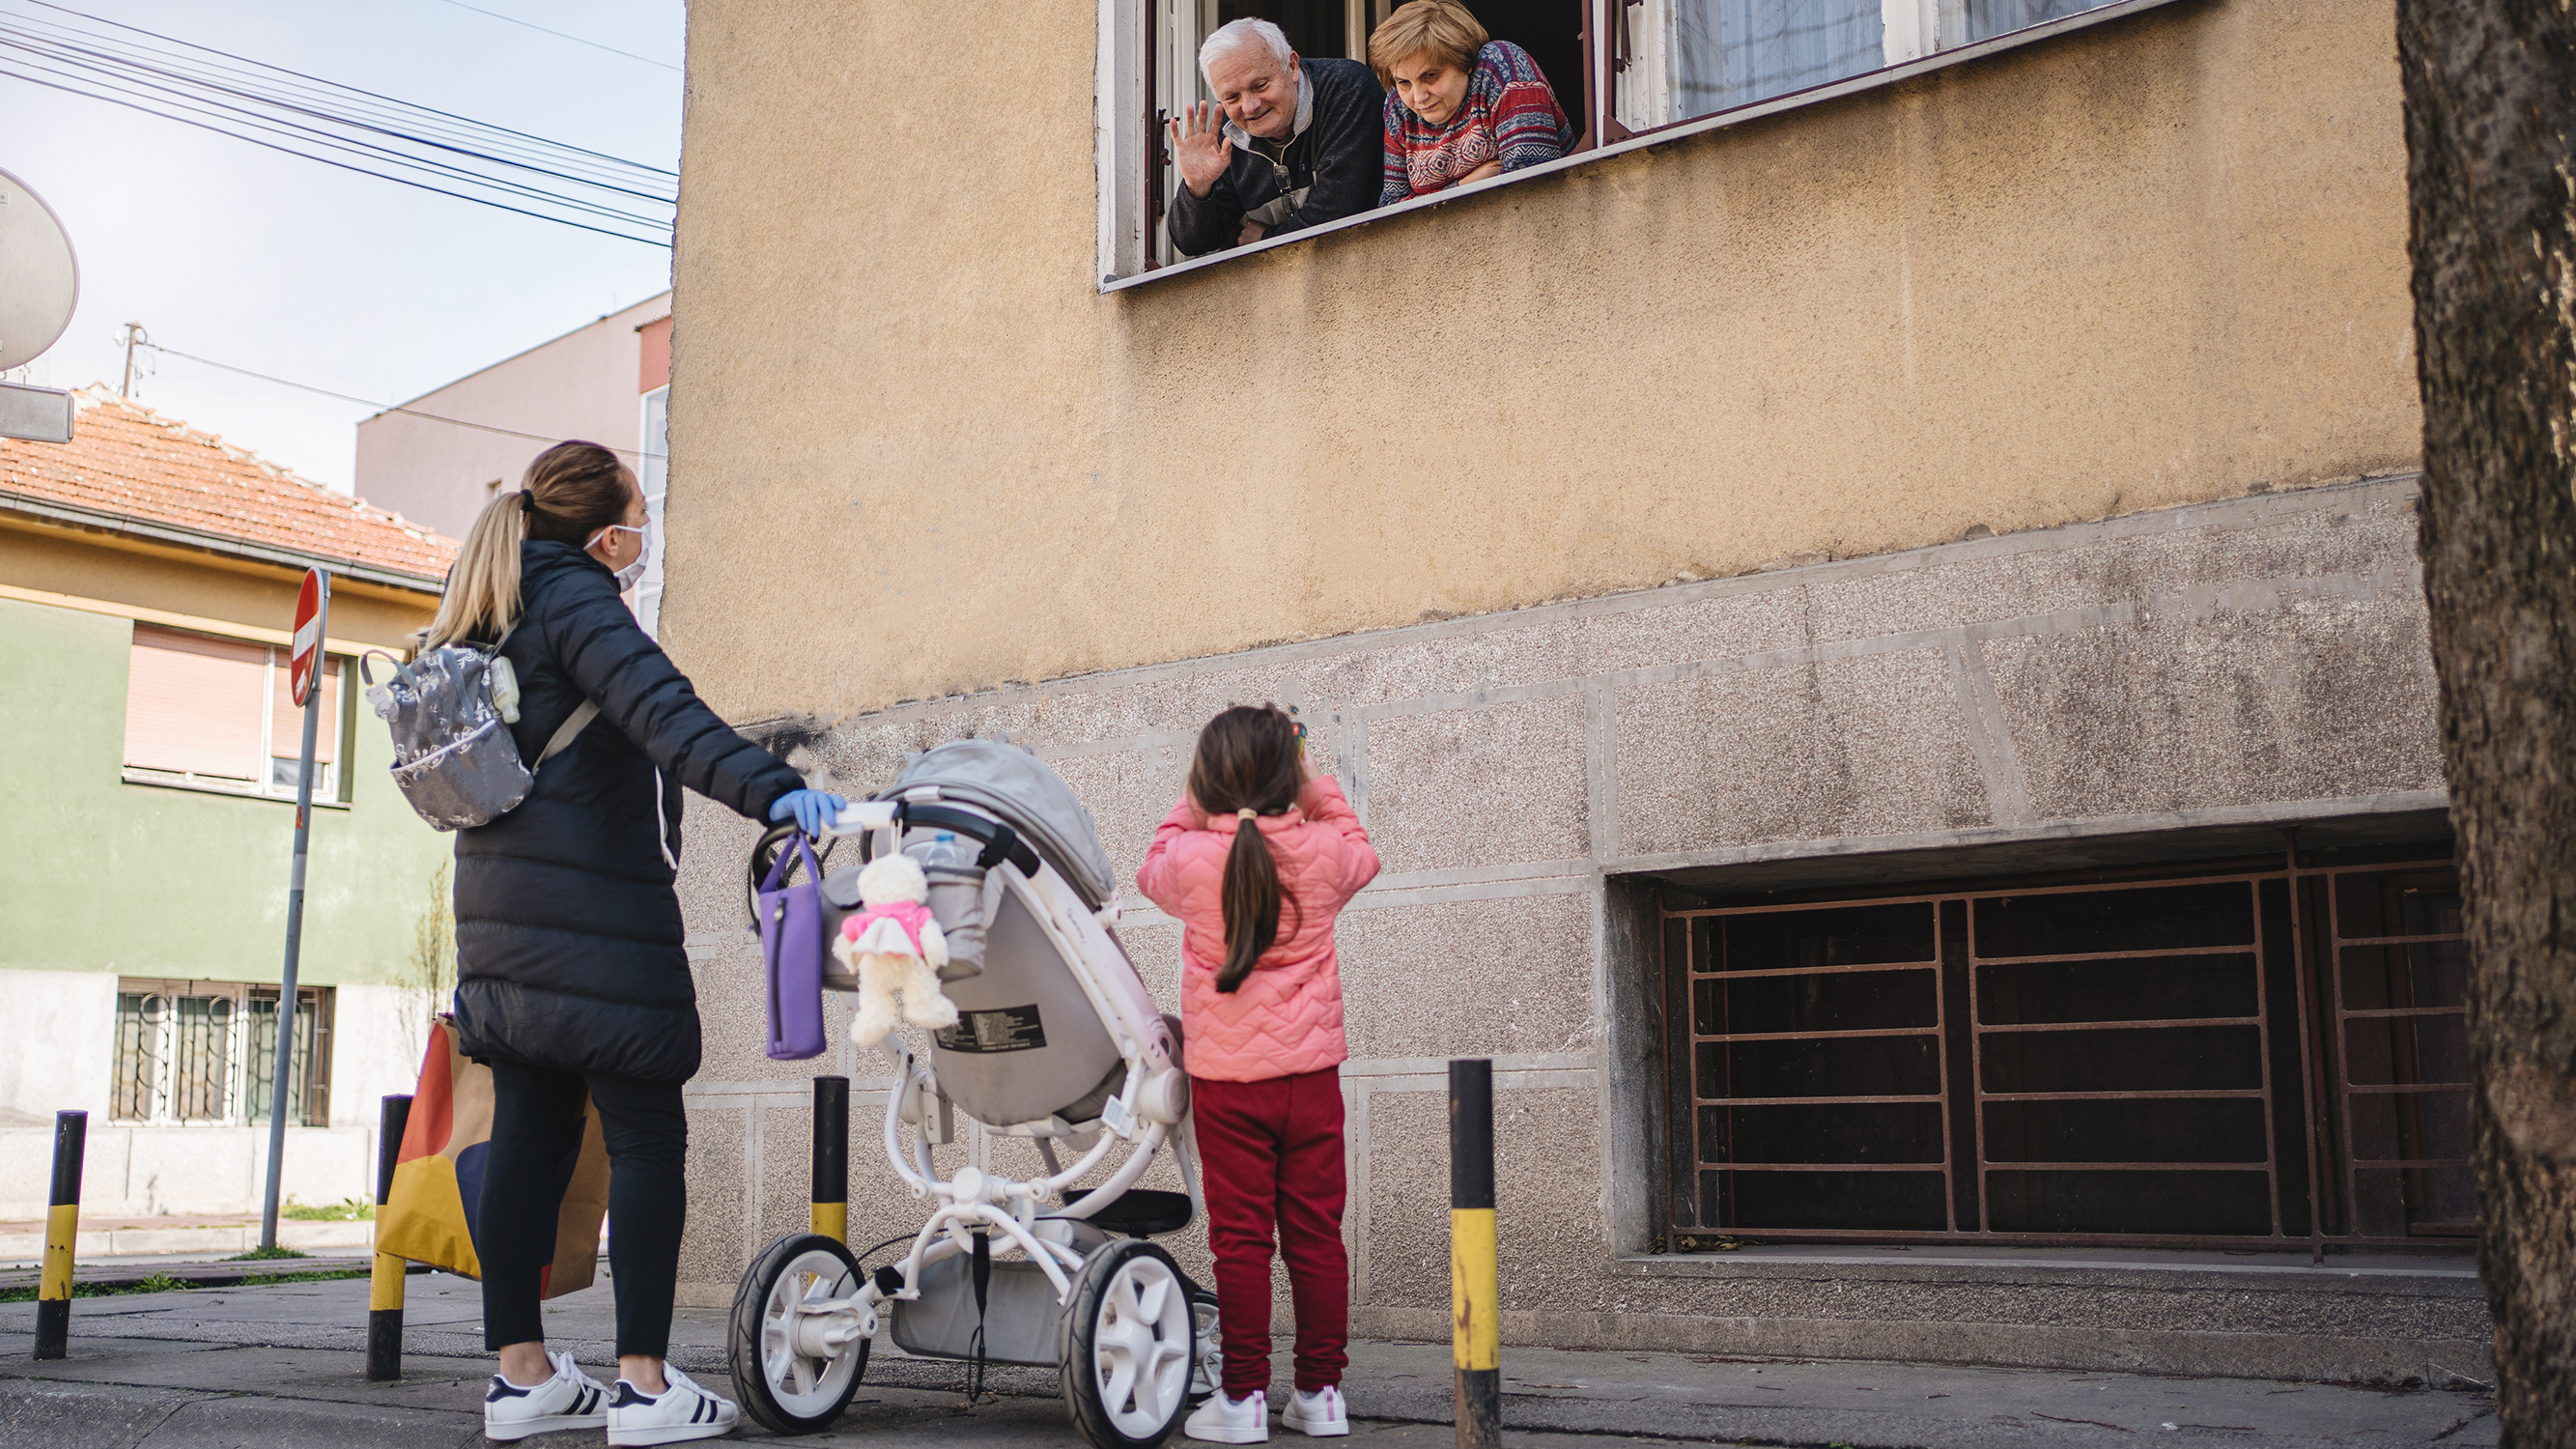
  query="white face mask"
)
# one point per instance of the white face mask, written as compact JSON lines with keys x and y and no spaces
{"x":627,"y":576}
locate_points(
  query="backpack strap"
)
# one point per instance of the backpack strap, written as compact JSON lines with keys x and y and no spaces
{"x":572,"y":726}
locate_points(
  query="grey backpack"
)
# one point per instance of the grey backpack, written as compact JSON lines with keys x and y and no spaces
{"x":454,"y":757}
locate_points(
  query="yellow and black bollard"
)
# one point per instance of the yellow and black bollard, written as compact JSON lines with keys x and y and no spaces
{"x":385,"y":1278}
{"x":1476,"y":1332}
{"x":62,"y":1228}
{"x":832,"y":1157}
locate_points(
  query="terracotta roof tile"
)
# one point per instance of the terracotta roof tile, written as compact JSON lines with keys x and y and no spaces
{"x":126,"y":459}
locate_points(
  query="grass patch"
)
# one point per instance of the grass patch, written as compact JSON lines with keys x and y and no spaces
{"x":264,"y":1255}
{"x":347,"y":1210}
{"x":164,"y":1283}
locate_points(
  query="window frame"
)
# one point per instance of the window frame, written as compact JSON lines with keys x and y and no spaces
{"x":341,"y":778}
{"x":1126,"y":174}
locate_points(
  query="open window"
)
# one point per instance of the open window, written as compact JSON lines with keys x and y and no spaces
{"x":1550,"y":30}
{"x":1620,"y":68}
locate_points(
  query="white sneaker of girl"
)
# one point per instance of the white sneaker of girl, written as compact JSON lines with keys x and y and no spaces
{"x":681,"y":1411}
{"x":1320,"y":1414}
{"x":569,"y":1400}
{"x":1231,"y":1421}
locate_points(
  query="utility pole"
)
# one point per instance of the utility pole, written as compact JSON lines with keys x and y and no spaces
{"x":133,"y":332}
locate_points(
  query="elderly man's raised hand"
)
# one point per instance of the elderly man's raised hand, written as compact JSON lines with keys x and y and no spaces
{"x":1199,"y":147}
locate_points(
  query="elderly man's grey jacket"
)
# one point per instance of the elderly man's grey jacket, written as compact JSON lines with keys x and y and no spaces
{"x":1334,"y":164}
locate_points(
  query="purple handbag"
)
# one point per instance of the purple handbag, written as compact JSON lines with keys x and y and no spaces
{"x":791,"y":956}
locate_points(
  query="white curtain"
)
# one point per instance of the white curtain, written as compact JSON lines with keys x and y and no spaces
{"x":1734,"y":52}
{"x":1990,"y":18}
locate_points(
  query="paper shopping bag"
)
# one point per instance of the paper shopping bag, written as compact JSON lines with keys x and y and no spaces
{"x":430,"y":1217}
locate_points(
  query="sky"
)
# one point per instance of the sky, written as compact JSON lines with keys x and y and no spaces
{"x":291,"y":268}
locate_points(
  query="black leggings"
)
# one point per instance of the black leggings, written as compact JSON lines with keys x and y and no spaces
{"x":536,"y":1127}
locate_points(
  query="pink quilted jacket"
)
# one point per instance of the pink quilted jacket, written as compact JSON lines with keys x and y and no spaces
{"x":1286,"y":1018}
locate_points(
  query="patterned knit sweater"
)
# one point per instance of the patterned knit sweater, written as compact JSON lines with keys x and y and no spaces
{"x":1510,"y":116}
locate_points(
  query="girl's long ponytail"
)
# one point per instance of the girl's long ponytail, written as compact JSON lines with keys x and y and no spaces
{"x":1250,"y":895}
{"x":1246,"y":765}
{"x":482,"y":598}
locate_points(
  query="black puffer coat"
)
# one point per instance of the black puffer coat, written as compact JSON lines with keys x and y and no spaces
{"x":568,"y":937}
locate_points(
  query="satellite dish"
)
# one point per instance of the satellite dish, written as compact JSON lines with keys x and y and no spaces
{"x":39,"y":279}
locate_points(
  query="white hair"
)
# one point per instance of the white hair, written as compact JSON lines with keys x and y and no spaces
{"x":1235,"y":35}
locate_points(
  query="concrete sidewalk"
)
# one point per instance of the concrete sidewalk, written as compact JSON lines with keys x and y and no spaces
{"x":282,"y":1365}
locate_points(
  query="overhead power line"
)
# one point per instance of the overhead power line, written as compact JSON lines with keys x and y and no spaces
{"x":178,"y":83}
{"x":560,"y":35}
{"x":371,"y":402}
{"x":264,"y":67}
{"x":338,"y":125}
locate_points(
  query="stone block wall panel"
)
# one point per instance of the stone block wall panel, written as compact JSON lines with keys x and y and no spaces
{"x":2254,"y":662}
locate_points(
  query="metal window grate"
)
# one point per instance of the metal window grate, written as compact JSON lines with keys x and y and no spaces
{"x":2141,"y":1061}
{"x":139,"y":1072}
{"x":308,"y":1092}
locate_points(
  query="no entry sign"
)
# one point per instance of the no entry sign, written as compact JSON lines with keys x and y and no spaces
{"x":312,"y":621}
{"x":308,"y":635}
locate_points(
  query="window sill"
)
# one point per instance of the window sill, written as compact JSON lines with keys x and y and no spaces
{"x":1664,"y":136}
{"x":142,"y":1123}
{"x":160,"y":780}
{"x":2453,"y":1272}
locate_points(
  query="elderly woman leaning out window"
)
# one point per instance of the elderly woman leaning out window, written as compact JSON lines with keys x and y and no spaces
{"x":1459,"y":106}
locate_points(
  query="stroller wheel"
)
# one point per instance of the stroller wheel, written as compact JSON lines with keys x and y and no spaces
{"x":784,"y":1375}
{"x":1207,"y":1364}
{"x":1128,"y":1346}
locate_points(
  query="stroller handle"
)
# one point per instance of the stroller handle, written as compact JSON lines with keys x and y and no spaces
{"x":999,"y":840}
{"x":765,"y":852}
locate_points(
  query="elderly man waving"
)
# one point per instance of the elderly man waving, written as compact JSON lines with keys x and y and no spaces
{"x":1301,"y":143}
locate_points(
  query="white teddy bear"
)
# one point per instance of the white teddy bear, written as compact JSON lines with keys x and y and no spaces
{"x":894,"y":945}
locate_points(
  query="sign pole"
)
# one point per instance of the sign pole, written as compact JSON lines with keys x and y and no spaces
{"x":312,"y":623}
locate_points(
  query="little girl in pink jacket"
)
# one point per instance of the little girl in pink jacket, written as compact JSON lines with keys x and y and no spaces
{"x":1255,"y":862}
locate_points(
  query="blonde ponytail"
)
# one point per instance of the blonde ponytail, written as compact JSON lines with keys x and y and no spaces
{"x":482,"y":599}
{"x":571,"y":492}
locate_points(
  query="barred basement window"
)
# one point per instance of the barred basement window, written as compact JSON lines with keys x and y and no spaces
{"x":204,"y":1053}
{"x":2245,"y":1058}
{"x":175,"y":1054}
{"x":308,"y":1091}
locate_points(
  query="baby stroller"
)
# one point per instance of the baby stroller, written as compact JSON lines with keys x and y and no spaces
{"x":1057,"y":1041}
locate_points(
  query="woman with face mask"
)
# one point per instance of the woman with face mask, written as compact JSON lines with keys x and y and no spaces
{"x":571,"y":978}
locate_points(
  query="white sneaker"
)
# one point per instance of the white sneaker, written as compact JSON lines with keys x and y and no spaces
{"x":1321,"y":1413}
{"x":570,"y":1400}
{"x":681,"y":1411}
{"x":1231,"y":1421}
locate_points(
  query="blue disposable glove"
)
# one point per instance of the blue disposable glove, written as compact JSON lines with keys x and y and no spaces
{"x":813,"y":809}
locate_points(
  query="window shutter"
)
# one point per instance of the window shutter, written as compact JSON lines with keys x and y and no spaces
{"x":286,"y":725}
{"x":192,"y":703}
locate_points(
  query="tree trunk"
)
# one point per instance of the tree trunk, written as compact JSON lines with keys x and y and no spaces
{"x":2490,"y":115}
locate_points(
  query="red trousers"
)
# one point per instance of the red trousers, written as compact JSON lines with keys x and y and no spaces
{"x":1270,"y":1155}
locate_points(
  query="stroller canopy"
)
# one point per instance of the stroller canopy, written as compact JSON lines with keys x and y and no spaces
{"x":1017,"y":786}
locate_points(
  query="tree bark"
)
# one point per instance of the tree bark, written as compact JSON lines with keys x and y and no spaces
{"x":2490,"y":89}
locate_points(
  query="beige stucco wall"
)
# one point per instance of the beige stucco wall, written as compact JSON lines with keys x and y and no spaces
{"x":2156,"y":262}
